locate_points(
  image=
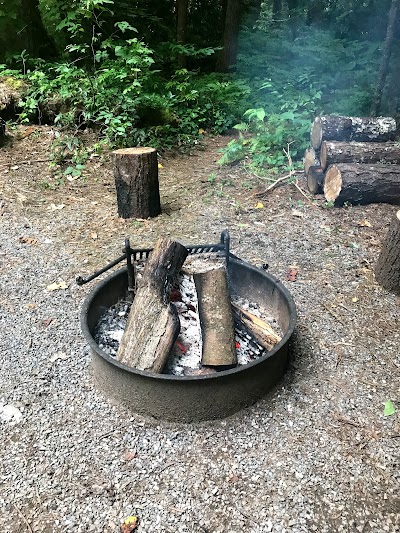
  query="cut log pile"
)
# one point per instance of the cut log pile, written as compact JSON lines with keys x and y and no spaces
{"x":354,"y":160}
{"x":153,"y":324}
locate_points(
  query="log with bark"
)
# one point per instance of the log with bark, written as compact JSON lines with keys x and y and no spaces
{"x":216,"y":320}
{"x":363,"y":129}
{"x":310,"y":159}
{"x":387,"y":268}
{"x":362,"y":184}
{"x":153,"y":324}
{"x":136,"y":182}
{"x":260,"y":330}
{"x":359,"y":152}
{"x":315,"y":180}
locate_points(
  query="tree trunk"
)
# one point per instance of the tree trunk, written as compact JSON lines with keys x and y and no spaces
{"x":310,"y":160}
{"x":315,"y":180}
{"x":357,"y":152}
{"x":386,"y":52}
{"x":362,"y":184}
{"x":35,"y":38}
{"x":216,"y":320}
{"x":387,"y":269}
{"x":153,"y":324}
{"x":227,"y":56}
{"x":277,"y":11}
{"x":181,"y":16}
{"x":364,"y":129}
{"x":136,"y":182}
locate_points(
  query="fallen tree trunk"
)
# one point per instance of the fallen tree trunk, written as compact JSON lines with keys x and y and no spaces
{"x":216,"y":320}
{"x":310,"y":159}
{"x":387,"y":269}
{"x":153,"y":324}
{"x":315,"y":180}
{"x":357,"y":152}
{"x":136,"y":182}
{"x":362,"y":184}
{"x":363,"y":129}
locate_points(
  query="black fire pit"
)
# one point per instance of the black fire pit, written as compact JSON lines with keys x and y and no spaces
{"x":200,"y":397}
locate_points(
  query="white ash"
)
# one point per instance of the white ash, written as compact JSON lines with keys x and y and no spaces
{"x":111,"y":327}
{"x":186,"y":353}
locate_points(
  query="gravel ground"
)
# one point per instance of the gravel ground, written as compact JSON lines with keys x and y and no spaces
{"x":317,"y":454}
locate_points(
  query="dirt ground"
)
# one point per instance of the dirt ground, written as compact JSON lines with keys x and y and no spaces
{"x":346,"y":358}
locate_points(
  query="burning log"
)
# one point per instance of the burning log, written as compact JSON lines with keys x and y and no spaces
{"x":364,"y":129}
{"x":357,"y":152}
{"x":260,"y":330}
{"x":387,"y":269}
{"x":153,"y":324}
{"x":136,"y":182}
{"x":216,"y":320}
{"x":310,"y":160}
{"x":315,"y":180}
{"x":362,"y":184}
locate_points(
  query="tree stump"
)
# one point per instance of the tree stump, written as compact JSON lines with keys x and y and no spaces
{"x":362,"y":184}
{"x":357,"y":152}
{"x":136,"y":182}
{"x":387,"y":268}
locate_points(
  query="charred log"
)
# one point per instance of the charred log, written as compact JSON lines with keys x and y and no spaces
{"x":153,"y":324}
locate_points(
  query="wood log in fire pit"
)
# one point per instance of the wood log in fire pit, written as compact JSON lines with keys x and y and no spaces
{"x":136,"y":182}
{"x":362,"y":184}
{"x":333,"y":152}
{"x":387,"y":269}
{"x":363,"y":129}
{"x":260,"y":330}
{"x":216,"y":320}
{"x":153,"y":324}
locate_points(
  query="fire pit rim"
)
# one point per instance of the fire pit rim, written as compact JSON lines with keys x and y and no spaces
{"x":170,"y":377}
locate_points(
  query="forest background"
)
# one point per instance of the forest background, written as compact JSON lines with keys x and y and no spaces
{"x":167,"y":72}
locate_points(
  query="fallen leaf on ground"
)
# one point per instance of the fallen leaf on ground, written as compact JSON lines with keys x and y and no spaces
{"x":27,"y":240}
{"x":259,"y":205}
{"x":364,"y":224}
{"x":129,"y":524}
{"x":201,"y":131}
{"x":47,"y":321}
{"x":389,"y":409}
{"x":292,"y":274}
{"x":297,"y":213}
{"x":31,"y":306}
{"x":9,"y":413}
{"x":61,"y":285}
{"x":160,"y":165}
{"x":54,"y":207}
{"x":94,"y":236}
{"x":58,"y":356}
{"x":355,"y":299}
{"x":128,"y":456}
